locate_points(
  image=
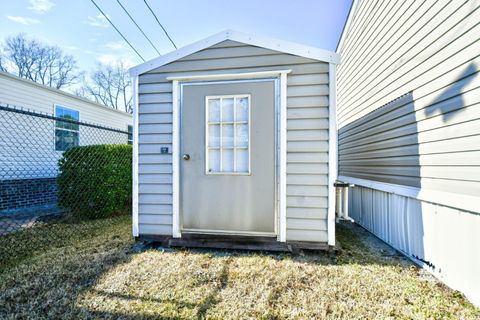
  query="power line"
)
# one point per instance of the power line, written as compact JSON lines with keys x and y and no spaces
{"x":117,"y":30}
{"x":153,"y":13}
{"x":133,"y":20}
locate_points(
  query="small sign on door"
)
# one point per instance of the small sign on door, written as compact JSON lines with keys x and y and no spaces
{"x":164,"y":150}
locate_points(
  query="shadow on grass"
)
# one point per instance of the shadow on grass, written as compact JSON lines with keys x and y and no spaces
{"x":106,"y":276}
{"x":46,"y":278}
{"x":151,"y":305}
{"x":53,"y":264}
{"x":47,"y":235}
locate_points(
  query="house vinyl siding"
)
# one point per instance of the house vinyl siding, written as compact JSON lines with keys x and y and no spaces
{"x":408,"y":109}
{"x":411,"y":102}
{"x":32,"y":96}
{"x":16,"y":139}
{"x":307,"y":134}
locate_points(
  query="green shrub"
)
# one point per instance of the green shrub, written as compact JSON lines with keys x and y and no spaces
{"x":96,"y":181}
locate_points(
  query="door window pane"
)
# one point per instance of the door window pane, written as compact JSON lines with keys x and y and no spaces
{"x":214,"y":160}
{"x":241,"y":160}
{"x":227,"y":160}
{"x":214,"y":110}
{"x":227,"y":109}
{"x":241,"y":109}
{"x":241,"y":136}
{"x":228,"y":134}
{"x":214,"y":135}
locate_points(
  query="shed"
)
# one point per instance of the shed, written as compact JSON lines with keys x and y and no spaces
{"x":235,"y":142}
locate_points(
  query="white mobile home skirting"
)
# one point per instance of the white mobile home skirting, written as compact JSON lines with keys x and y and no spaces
{"x":444,"y":240}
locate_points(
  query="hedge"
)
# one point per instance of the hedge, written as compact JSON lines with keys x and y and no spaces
{"x":96,"y":181}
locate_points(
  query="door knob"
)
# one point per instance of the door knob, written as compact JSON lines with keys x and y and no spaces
{"x":186,"y":156}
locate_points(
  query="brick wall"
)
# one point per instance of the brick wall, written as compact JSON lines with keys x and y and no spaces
{"x":23,"y":193}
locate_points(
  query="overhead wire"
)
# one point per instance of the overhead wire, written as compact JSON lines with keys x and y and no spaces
{"x":160,"y":24}
{"x":138,"y":27}
{"x":118,"y":31}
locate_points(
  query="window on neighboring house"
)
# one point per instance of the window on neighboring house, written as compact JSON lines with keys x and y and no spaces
{"x":66,"y":133}
{"x":130,"y":134}
{"x":228,"y":131}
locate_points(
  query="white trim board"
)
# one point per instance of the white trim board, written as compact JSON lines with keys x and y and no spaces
{"x":282,"y":166}
{"x":254,"y":40}
{"x":282,"y":75}
{"x":448,"y":199}
{"x":332,"y":152}
{"x":135,"y":228}
{"x":175,"y":160}
{"x":232,"y":76}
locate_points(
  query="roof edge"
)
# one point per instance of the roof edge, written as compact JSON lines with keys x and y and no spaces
{"x":346,"y":26}
{"x":61,"y":92}
{"x":255,"y":40}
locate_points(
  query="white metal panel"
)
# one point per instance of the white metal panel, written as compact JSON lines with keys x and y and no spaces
{"x":424,"y":232}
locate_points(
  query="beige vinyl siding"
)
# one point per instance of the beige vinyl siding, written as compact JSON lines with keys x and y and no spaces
{"x":409,"y":95}
{"x":17,"y":129}
{"x":29,"y":95}
{"x":307,"y":134}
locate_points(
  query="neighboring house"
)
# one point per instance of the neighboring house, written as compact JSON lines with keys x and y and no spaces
{"x":409,"y":130}
{"x":30,"y":146}
{"x":236,"y":138}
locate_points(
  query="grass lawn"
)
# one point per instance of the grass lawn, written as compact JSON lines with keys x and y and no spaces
{"x":98,"y":273}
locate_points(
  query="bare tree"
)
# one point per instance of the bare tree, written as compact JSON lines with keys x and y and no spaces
{"x":39,"y":62}
{"x":109,"y":85}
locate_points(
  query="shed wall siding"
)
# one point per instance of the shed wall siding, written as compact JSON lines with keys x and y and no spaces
{"x":307,"y":134}
{"x":409,"y":95}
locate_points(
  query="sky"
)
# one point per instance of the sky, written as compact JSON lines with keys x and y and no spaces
{"x":79,"y":29}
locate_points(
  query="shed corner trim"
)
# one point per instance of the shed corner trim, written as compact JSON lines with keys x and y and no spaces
{"x":135,"y":227}
{"x":332,"y":153}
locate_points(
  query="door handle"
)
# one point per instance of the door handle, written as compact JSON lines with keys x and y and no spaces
{"x":186,"y":156}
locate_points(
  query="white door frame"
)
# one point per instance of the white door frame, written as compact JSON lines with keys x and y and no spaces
{"x":281,"y":75}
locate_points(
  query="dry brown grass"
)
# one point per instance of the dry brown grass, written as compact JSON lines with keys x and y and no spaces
{"x":103,"y":277}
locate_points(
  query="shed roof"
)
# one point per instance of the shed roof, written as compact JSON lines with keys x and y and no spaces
{"x":254,"y":40}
